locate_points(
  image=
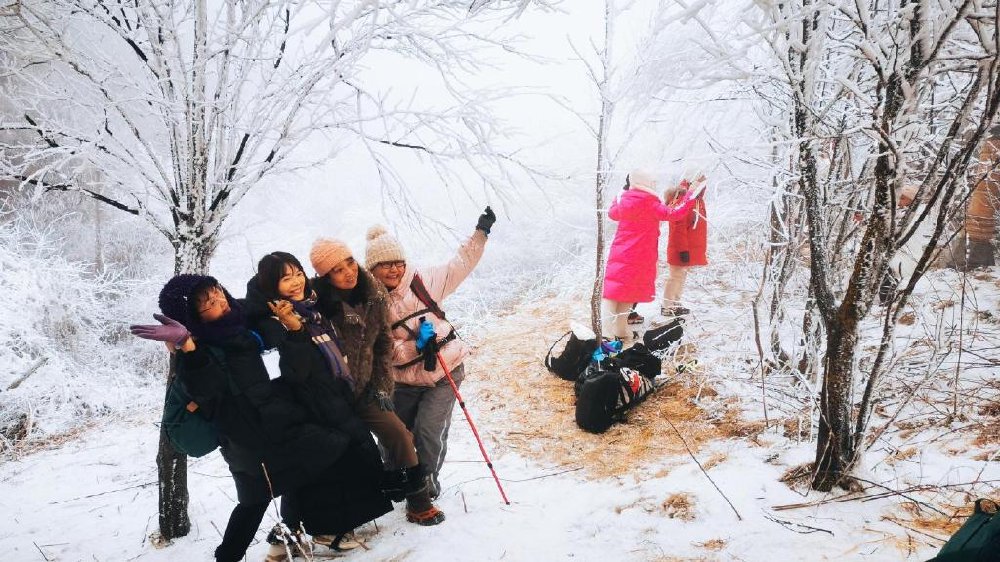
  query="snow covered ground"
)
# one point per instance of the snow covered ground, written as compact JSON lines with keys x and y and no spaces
{"x":633,"y":493}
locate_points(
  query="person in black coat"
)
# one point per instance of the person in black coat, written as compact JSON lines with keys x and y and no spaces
{"x":265,"y":438}
{"x":327,"y":371}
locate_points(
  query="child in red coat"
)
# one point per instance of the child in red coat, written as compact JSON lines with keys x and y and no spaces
{"x":687,"y":245}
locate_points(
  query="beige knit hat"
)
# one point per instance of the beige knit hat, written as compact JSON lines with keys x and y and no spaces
{"x":327,"y":253}
{"x":382,"y":247}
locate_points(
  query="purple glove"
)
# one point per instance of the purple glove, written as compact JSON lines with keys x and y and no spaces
{"x":171,"y":331}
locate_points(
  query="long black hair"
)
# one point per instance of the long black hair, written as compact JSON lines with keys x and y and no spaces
{"x":270,"y":270}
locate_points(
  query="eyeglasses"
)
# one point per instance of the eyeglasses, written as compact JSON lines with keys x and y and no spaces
{"x":387,"y":265}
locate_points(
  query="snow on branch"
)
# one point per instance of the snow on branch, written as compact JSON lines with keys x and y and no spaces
{"x":185,"y":107}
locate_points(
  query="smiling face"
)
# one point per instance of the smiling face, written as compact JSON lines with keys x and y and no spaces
{"x":344,"y":275}
{"x":211,"y":304}
{"x":390,"y":273}
{"x":292,"y":283}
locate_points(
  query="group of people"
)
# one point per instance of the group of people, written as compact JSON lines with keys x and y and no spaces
{"x":363,"y":350}
{"x":630,"y":274}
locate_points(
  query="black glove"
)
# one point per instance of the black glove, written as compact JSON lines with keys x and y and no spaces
{"x":486,"y":220}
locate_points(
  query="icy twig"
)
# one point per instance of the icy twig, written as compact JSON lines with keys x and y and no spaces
{"x":790,"y":525}
{"x":40,"y":551}
{"x":144,"y":485}
{"x":703,"y":471}
{"x":880,"y":495}
{"x":38,"y":364}
{"x":546,"y":475}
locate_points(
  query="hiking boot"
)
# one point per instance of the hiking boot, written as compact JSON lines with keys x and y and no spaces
{"x":432,"y":516}
{"x":420,"y":510}
{"x":335,"y":543}
{"x":419,"y":506}
{"x":635,"y":318}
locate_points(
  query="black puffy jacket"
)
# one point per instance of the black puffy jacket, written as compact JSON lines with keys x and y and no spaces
{"x":259,"y":421}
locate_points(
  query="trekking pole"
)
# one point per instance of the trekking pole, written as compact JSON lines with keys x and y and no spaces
{"x":458,"y":396}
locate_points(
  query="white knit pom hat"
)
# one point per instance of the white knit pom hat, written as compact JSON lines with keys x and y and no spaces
{"x":381,"y":247}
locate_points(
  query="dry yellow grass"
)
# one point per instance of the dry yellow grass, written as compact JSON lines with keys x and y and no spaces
{"x":53,"y":441}
{"x":680,"y":506}
{"x":531,"y":411}
{"x":714,"y":544}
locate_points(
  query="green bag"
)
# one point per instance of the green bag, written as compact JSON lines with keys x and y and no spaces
{"x":978,"y":540}
{"x":189,"y":432}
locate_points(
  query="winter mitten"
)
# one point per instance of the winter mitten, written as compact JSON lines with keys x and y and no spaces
{"x":425,"y":334}
{"x":486,"y":221}
{"x":171,"y":330}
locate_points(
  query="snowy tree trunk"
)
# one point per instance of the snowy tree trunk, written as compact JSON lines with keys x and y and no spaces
{"x":600,"y":180}
{"x":192,"y":254}
{"x":171,"y":470}
{"x":603,"y":161}
{"x":835,"y":445}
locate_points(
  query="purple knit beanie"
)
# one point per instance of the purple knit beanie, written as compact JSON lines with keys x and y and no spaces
{"x":175,"y":297}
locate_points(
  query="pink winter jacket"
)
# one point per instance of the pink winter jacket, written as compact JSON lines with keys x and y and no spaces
{"x":630,"y":275}
{"x":440,"y":281}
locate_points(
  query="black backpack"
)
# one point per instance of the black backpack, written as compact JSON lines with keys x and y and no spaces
{"x":640,"y":359}
{"x":662,"y":337}
{"x":190,"y":433}
{"x":596,"y":396}
{"x":605,"y":391}
{"x":575,"y":356}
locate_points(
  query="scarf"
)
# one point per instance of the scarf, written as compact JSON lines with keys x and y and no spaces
{"x":324,"y":335}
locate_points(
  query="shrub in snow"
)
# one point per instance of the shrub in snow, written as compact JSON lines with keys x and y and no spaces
{"x":64,"y":336}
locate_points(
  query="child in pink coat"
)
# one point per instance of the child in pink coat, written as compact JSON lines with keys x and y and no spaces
{"x":630,"y":275}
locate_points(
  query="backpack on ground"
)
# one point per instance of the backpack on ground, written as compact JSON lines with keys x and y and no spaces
{"x":576,"y":354}
{"x":596,"y":397}
{"x":640,"y":359}
{"x":662,"y":337}
{"x":189,"y":432}
{"x":605,"y":391}
{"x":978,"y":540}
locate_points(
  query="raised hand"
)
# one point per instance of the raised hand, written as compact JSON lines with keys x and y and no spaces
{"x":486,"y":220}
{"x":170,"y":331}
{"x":286,"y":314}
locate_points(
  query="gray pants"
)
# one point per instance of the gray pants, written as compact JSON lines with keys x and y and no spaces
{"x":426,"y":411}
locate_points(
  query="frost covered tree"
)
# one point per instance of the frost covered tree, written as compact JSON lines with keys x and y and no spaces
{"x":880,"y":98}
{"x":184,"y":107}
